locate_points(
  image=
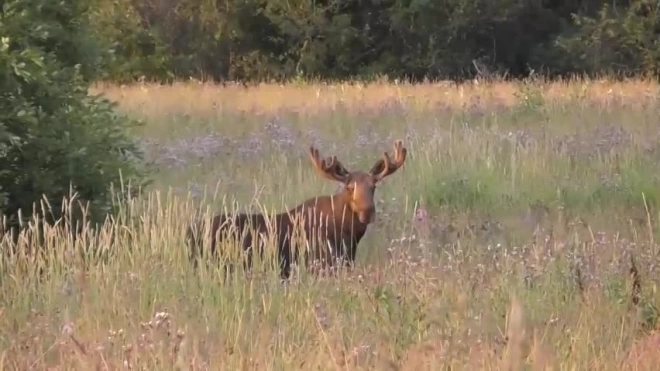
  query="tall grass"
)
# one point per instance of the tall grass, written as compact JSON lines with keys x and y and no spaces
{"x":521,"y":233}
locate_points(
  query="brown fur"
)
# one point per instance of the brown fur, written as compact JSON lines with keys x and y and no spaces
{"x":337,"y":221}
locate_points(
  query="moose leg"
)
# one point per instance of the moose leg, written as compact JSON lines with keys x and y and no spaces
{"x":193,"y":241}
{"x":248,"y":250}
{"x":330,"y":257}
{"x":354,"y":245}
{"x":285,"y":255}
{"x":349,"y":252}
{"x":285,"y":258}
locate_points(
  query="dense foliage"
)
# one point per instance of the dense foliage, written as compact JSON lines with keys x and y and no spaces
{"x":55,"y":139}
{"x":340,"y":39}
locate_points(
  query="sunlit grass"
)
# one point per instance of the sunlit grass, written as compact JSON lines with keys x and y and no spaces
{"x":506,"y":239}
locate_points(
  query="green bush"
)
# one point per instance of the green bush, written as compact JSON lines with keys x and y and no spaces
{"x":56,"y":139}
{"x":622,"y":41}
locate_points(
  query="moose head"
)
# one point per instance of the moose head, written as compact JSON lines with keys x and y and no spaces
{"x":359,"y":187}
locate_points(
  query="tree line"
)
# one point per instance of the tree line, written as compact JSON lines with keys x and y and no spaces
{"x":258,"y":40}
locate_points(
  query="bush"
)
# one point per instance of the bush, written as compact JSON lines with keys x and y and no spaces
{"x":613,"y":41}
{"x":54,"y":137}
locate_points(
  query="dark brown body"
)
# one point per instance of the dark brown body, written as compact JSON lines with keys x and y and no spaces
{"x":332,"y":236}
{"x":332,"y":226}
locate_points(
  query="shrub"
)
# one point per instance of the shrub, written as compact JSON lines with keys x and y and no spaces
{"x":54,"y":137}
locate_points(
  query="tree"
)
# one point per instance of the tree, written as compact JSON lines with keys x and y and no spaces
{"x":54,"y":137}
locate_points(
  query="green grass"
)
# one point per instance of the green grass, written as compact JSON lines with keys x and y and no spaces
{"x":535,"y":198}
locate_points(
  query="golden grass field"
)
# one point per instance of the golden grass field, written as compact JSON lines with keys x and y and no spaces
{"x":520,"y":234}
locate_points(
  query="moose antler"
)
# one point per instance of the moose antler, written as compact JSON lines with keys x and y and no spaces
{"x":386,"y":166}
{"x":330,"y":168}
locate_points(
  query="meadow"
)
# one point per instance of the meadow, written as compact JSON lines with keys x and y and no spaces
{"x":520,"y":234}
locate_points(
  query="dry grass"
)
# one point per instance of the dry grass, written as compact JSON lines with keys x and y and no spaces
{"x":310,"y":99}
{"x":505,"y":242}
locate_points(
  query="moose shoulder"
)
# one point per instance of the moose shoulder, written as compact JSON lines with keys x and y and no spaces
{"x":332,"y":225}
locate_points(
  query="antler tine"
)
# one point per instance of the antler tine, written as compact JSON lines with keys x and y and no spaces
{"x":387,"y":162}
{"x":337,"y":167}
{"x":319,"y":163}
{"x":388,"y":166}
{"x":330,"y":162}
{"x":316,"y":159}
{"x":329,"y":167}
{"x":400,"y":153}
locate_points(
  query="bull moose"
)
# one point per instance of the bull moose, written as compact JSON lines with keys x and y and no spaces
{"x":332,"y":225}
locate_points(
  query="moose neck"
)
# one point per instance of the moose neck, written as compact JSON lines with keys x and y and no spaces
{"x":338,"y":205}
